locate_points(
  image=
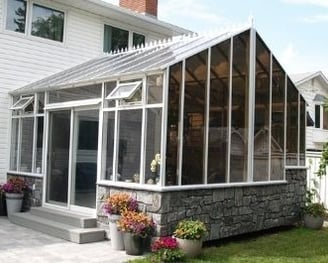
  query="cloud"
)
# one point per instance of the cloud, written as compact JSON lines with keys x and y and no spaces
{"x":316,"y":19}
{"x":288,"y":54}
{"x":321,"y":3}
{"x":192,"y":14}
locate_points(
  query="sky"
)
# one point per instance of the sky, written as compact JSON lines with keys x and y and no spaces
{"x":296,"y":31}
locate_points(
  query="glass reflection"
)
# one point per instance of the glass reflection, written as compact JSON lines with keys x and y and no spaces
{"x":262,"y":112}
{"x":194,"y":119}
{"x":292,"y":124}
{"x":16,"y":15}
{"x":108,"y":146}
{"x":218,"y":113}
{"x":277,"y":121}
{"x":129,"y":147}
{"x":174,"y":107}
{"x":239,"y":110}
{"x":302,"y":131}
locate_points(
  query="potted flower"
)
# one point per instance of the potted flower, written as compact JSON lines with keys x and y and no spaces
{"x":136,"y":227}
{"x":14,"y":190}
{"x":115,"y":205}
{"x":3,"y":208}
{"x":314,"y":212}
{"x":189,"y":234}
{"x":165,"y":250}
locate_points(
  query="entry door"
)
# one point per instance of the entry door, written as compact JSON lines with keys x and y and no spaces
{"x":84,"y":168}
{"x":72,"y":158}
{"x":58,"y":157}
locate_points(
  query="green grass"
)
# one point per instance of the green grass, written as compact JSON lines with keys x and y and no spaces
{"x":298,"y":245}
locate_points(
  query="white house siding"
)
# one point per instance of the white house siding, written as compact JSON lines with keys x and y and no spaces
{"x":309,"y":90}
{"x":25,"y":59}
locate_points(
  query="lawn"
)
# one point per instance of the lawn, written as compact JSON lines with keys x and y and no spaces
{"x":293,"y":245}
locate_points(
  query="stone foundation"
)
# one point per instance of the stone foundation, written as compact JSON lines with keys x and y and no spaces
{"x":34,"y":196}
{"x":227,"y":211}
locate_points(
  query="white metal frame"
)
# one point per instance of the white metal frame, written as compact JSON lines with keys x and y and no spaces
{"x":135,"y":85}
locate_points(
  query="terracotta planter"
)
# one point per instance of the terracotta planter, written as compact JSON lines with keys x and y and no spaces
{"x":313,"y":222}
{"x":14,"y":203}
{"x":116,"y":236}
{"x":134,"y":244}
{"x":190,"y":247}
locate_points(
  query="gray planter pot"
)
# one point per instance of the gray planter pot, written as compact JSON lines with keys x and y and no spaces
{"x":133,"y":244}
{"x":190,"y":247}
{"x":14,"y":203}
{"x":313,"y":222}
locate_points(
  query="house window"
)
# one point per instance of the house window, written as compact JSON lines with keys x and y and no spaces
{"x":117,"y":39}
{"x":317,"y":116}
{"x":138,"y":39}
{"x":124,"y":90}
{"x":321,"y":117}
{"x":16,"y":15}
{"x":47,"y":23}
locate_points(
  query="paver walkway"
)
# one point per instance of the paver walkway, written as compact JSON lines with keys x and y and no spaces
{"x":20,"y":244}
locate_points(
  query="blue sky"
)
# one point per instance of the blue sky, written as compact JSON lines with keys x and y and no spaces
{"x":295,"y":30}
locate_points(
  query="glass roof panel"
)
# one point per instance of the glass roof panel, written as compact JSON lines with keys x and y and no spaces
{"x":124,"y":90}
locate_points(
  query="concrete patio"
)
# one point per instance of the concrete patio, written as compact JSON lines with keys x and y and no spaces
{"x":20,"y":244}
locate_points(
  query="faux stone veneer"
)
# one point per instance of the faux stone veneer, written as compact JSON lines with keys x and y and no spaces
{"x":227,"y":211}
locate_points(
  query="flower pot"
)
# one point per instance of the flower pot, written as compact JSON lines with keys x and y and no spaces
{"x":133,"y":244}
{"x":116,"y":236}
{"x":14,"y":203}
{"x":313,"y":222}
{"x":190,"y":247}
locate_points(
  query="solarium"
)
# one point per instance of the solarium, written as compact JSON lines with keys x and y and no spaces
{"x":207,"y":126}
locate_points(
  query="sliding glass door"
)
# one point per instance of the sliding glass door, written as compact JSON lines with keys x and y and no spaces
{"x":58,"y":157}
{"x":72,"y":158}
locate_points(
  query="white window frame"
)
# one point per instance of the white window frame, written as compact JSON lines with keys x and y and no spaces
{"x":135,"y":85}
{"x":29,"y":100}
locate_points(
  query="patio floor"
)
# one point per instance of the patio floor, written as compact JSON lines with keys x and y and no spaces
{"x":19,"y":244}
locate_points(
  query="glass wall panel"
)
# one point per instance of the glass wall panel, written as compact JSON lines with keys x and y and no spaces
{"x":277,"y":121}
{"x":155,"y":88}
{"x":302,"y":130}
{"x":172,"y":148}
{"x":47,"y":23}
{"x":153,"y":145}
{"x":81,"y":93}
{"x":108,"y":145}
{"x":218,"y":113}
{"x":14,"y":144}
{"x":262,"y":112}
{"x":26,"y":145}
{"x":39,"y":145}
{"x":129,"y":147}
{"x":194,"y":119}
{"x":40,"y":102}
{"x":16,"y":15}
{"x":109,"y":87}
{"x":239,"y":110}
{"x":292,"y":124}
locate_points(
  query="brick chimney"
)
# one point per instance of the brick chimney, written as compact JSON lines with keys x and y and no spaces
{"x":147,"y":7}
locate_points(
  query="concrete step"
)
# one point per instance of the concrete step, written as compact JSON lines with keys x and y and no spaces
{"x":57,"y":229}
{"x":66,"y":217}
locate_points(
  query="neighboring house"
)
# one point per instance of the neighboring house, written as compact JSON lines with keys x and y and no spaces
{"x":314,"y":88}
{"x":218,"y":111}
{"x":42,"y":37}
